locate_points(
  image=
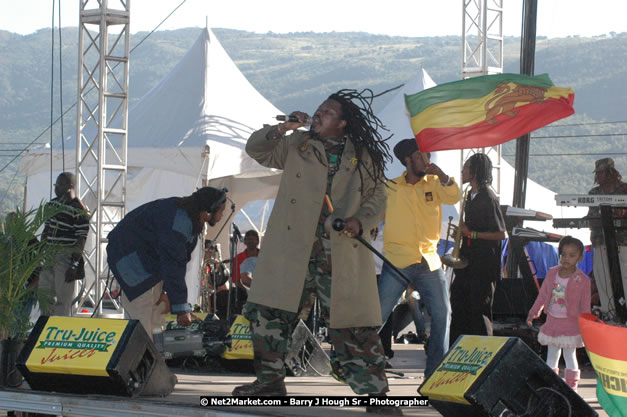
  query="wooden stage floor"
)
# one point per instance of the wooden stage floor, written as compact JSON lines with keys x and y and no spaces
{"x":185,"y":400}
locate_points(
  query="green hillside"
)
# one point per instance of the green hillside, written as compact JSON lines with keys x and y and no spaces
{"x":298,"y":70}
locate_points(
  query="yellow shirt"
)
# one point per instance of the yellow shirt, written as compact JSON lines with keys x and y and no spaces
{"x":413,"y":218}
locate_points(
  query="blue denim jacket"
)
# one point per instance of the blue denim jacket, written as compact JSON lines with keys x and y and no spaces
{"x":153,"y":243}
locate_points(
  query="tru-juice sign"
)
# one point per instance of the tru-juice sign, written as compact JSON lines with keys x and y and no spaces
{"x":461,"y":367}
{"x":77,"y":346}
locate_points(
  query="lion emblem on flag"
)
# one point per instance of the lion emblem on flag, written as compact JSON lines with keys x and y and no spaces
{"x":507,"y":95}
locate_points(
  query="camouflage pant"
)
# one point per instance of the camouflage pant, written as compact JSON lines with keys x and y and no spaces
{"x":358,"y":349}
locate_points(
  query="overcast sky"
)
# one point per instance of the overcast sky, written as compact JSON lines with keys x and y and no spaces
{"x":556,"y":18}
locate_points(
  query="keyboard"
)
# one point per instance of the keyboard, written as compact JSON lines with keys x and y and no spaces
{"x":530,"y":234}
{"x":588,"y":200}
{"x":586,"y":222}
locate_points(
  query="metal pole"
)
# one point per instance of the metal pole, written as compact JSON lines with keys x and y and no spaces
{"x":527,"y":61}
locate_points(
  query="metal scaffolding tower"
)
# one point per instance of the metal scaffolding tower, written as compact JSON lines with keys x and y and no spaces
{"x":482,"y":42}
{"x":101,"y":137}
{"x":482,"y":37}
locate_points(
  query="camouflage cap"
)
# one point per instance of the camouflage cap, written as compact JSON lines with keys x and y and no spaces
{"x":603,"y":164}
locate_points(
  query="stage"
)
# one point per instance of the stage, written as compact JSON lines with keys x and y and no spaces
{"x":185,"y":400}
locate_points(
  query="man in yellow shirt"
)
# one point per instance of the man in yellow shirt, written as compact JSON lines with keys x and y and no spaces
{"x":412,"y":232}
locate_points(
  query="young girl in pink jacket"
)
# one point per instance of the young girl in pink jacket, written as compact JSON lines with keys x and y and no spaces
{"x":564,"y":295}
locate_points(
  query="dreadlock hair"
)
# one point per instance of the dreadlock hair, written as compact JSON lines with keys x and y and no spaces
{"x":207,"y":199}
{"x":362,"y":128}
{"x":481,"y":169}
{"x":190,"y":205}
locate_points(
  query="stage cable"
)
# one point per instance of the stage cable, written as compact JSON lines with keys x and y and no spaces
{"x":61,"y":91}
{"x":107,"y":289}
{"x":586,"y":124}
{"x":579,"y":136}
{"x":574,"y":154}
{"x":388,"y":90}
{"x":51,"y":93}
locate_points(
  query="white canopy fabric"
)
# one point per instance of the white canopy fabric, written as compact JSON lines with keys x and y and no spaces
{"x":396,"y":118}
{"x":205,"y":101}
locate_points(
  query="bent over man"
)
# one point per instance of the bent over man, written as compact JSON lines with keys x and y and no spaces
{"x":149,"y":249}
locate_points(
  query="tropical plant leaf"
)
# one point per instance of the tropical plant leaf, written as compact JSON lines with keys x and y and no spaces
{"x":24,"y":254}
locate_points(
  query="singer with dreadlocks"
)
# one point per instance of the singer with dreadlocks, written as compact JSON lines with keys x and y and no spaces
{"x":483,"y":229}
{"x":334,"y":170}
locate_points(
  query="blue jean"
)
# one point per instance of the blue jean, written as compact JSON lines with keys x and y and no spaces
{"x":433,"y":289}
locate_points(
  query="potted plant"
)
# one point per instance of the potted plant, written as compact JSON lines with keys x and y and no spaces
{"x":22,"y":255}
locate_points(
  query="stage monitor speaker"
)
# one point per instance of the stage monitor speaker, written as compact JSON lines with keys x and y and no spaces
{"x":306,"y":357}
{"x":499,"y":376}
{"x":94,"y":356}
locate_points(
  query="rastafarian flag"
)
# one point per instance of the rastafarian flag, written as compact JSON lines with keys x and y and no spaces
{"x":607,"y":350}
{"x":485,"y":111}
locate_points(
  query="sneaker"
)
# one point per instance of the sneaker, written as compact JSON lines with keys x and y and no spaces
{"x":337,"y":372}
{"x":257,"y":389}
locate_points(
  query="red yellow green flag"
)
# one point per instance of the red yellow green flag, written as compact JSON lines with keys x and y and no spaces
{"x":485,"y":111}
{"x":606,"y":346}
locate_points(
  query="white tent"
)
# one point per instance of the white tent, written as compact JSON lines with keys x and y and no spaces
{"x":205,"y":102}
{"x":396,"y":118}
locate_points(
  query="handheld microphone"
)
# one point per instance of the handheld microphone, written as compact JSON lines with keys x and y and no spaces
{"x":338,"y":225}
{"x":292,"y":119}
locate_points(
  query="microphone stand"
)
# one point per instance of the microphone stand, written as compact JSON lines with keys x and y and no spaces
{"x":212,"y":275}
{"x":338,"y":225}
{"x":232,"y":254}
{"x":215,"y":306}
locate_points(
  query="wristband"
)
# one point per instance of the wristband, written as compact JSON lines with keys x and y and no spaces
{"x":474,"y":235}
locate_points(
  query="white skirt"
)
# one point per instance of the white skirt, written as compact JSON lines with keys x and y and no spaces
{"x":560,"y":341}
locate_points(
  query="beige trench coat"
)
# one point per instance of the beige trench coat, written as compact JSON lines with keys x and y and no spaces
{"x":283,"y":261}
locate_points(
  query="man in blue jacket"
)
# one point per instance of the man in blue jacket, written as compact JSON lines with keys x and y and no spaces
{"x":149,"y":249}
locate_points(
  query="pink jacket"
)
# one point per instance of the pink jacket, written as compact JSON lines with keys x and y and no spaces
{"x":577,"y":294}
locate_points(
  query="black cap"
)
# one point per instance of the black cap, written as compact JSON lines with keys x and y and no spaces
{"x":210,"y":199}
{"x":69,"y":177}
{"x":405,"y":148}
